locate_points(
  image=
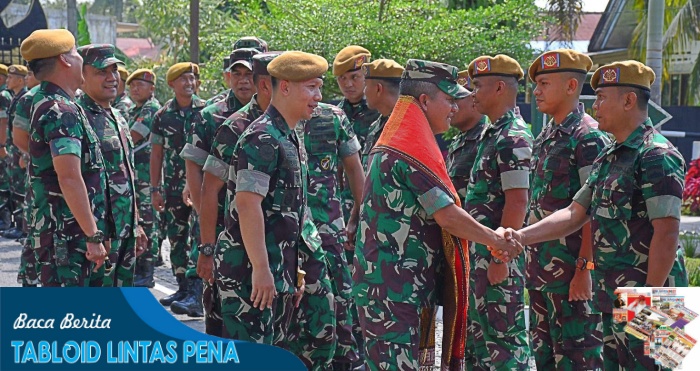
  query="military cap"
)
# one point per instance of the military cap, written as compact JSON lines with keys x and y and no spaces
{"x":500,"y":65}
{"x":625,"y":73}
{"x":226,"y":62}
{"x":464,"y":80}
{"x":441,"y":74}
{"x":98,"y":55}
{"x":123,"y":73}
{"x":383,"y":69}
{"x":17,"y":69}
{"x":243,"y":57}
{"x":142,"y":74}
{"x":350,"y":58}
{"x":261,"y":61}
{"x":177,"y":69}
{"x":560,"y":60}
{"x":3,"y":69}
{"x":46,"y":44}
{"x":251,"y":42}
{"x":297,"y":66}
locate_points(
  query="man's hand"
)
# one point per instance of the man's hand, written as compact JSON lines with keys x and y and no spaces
{"x":263,"y":288}
{"x":205,"y":268}
{"x":141,"y":241}
{"x":351,"y":232}
{"x":299,"y":293}
{"x":186,"y":199}
{"x":96,"y":253}
{"x":22,"y":162}
{"x":581,"y":287}
{"x":509,"y":246}
{"x":497,"y":273}
{"x":157,"y":201}
{"x":3,"y":152}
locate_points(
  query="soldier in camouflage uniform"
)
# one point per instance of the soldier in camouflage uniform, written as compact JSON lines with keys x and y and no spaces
{"x":5,"y":99}
{"x":497,"y":196}
{"x":170,"y":127}
{"x":248,"y":42}
{"x":565,"y":331}
{"x":382,"y":78}
{"x":195,"y":152}
{"x":99,"y":89}
{"x":329,"y":141}
{"x":461,"y":152}
{"x":633,"y":198}
{"x":257,"y":256}
{"x":141,"y":87}
{"x":122,"y":102}
{"x":69,"y":208}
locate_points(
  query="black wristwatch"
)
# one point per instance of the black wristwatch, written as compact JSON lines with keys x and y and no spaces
{"x":98,"y":237}
{"x":158,"y":189}
{"x":207,"y":249}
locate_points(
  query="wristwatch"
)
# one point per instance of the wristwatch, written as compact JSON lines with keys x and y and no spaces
{"x":98,"y":237}
{"x":156,"y":189}
{"x":583,"y":264}
{"x":207,"y":249}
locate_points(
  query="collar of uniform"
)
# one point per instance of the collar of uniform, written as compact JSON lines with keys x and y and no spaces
{"x":232,"y":101}
{"x":475,"y":132}
{"x":278,"y":120}
{"x":636,"y":139}
{"x":52,"y":88}
{"x":572,"y":120}
{"x":506,"y":118}
{"x":361,"y":105}
{"x":197,"y":102}
{"x":90,"y":103}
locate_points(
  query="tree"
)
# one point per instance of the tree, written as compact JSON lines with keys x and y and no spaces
{"x":566,"y":16}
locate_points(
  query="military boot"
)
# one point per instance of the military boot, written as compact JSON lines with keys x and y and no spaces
{"x":192,"y":304}
{"x":180,"y":294}
{"x":146,"y":278}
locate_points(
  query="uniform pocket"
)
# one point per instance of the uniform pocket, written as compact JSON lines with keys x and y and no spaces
{"x":581,"y":326}
{"x":287,"y":199}
{"x":505,"y":308}
{"x":61,"y":252}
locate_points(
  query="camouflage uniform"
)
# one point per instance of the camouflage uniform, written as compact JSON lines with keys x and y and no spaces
{"x":17,"y":175}
{"x":631,"y":184}
{"x":140,"y":121}
{"x":375,"y":131}
{"x":170,"y":127}
{"x":124,"y":105}
{"x":461,"y":154}
{"x":197,"y":148}
{"x":328,"y":138}
{"x":117,"y":152}
{"x":217,"y":98}
{"x":497,"y":337}
{"x":564,"y":334}
{"x":267,"y":161}
{"x":59,"y":127}
{"x":5,"y":100}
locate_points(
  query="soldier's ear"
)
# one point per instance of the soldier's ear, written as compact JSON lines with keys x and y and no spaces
{"x":630,"y":100}
{"x":423,"y":101}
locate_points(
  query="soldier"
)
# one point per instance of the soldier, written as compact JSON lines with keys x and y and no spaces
{"x":5,"y":99}
{"x":461,"y":152}
{"x":330,"y":141}
{"x":633,"y":198}
{"x":497,"y":196}
{"x":248,"y":42}
{"x":66,"y":169}
{"x":99,"y":89}
{"x":408,"y":207}
{"x":170,"y":127}
{"x":382,"y":78}
{"x":122,"y":102}
{"x":565,"y":328}
{"x":256,"y":262}
{"x":141,"y":87}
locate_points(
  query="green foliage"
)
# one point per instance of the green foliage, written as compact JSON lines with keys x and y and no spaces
{"x":693,"y":267}
{"x":83,"y":31}
{"x":689,"y":241}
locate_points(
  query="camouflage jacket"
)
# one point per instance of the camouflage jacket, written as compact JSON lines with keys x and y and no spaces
{"x":5,"y":99}
{"x":23,"y":110}
{"x":11,"y":112}
{"x":221,"y":152}
{"x":170,"y":128}
{"x":398,"y":243}
{"x":206,"y":122}
{"x":502,"y":162}
{"x":60,"y":127}
{"x":328,"y":138}
{"x":117,"y":152}
{"x":217,"y":98}
{"x":561,"y":162}
{"x":375,"y":131}
{"x":268,"y":161}
{"x":631,"y":184}
{"x":124,"y":104}
{"x":461,"y":154}
{"x":141,"y":121}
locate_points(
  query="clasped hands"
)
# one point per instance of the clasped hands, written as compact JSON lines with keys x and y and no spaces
{"x":508,"y":244}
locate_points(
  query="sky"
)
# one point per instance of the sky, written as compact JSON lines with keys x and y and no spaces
{"x":588,"y":5}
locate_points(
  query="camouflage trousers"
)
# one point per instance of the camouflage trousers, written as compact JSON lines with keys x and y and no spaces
{"x":242,"y":321}
{"x":391,"y":333}
{"x":339,"y":272}
{"x":4,"y":182}
{"x":352,"y":318}
{"x":496,"y":337}
{"x":151,"y":220}
{"x":27,"y":274}
{"x":122,"y":257}
{"x":565,"y":335}
{"x":312,"y":332}
{"x":62,"y":262}
{"x":624,"y":351}
{"x":177,"y":221}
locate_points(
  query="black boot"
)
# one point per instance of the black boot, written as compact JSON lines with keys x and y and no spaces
{"x":180,"y":294}
{"x":146,"y":278}
{"x":192,"y":304}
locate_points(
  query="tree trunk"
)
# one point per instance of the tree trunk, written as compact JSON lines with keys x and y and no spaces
{"x":655,"y":32}
{"x":194,"y":31}
{"x":72,"y":17}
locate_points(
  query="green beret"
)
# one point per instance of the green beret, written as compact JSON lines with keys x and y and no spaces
{"x":142,"y":74}
{"x":177,"y":69}
{"x":383,"y":69}
{"x":561,"y":60}
{"x":46,"y":44}
{"x":297,"y":66}
{"x":625,"y":73}
{"x":3,"y":69}
{"x":500,"y":65}
{"x":350,"y":58}
{"x":18,"y":69}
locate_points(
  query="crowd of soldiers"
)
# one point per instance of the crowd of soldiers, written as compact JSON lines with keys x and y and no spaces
{"x":335,"y":231}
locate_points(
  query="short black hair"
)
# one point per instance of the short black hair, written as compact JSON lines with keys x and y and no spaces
{"x":275,"y":82}
{"x":415,"y":88}
{"x":42,"y":67}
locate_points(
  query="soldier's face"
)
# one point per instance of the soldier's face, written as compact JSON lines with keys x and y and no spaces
{"x":185,"y":85}
{"x":439,"y":110}
{"x":608,"y":107}
{"x":371,"y":93}
{"x":352,"y":85}
{"x":306,"y":95}
{"x":242,"y":83}
{"x":3,"y":79}
{"x":484,"y":96}
{"x":140,"y":91}
{"x":550,"y":92}
{"x":74,"y":62}
{"x":466,"y":116}
{"x":101,"y":84}
{"x":15,"y":82}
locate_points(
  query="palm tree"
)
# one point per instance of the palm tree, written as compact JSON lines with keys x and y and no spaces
{"x":567,"y":16}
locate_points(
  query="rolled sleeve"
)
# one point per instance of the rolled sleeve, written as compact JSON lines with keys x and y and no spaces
{"x":65,"y":146}
{"x":21,"y":122}
{"x":584,"y":196}
{"x":434,"y":200}
{"x":663,"y":206}
{"x":515,"y":179}
{"x":194,"y":154}
{"x":584,"y":173}
{"x":217,"y":167}
{"x":3,"y":114}
{"x":157,"y":139}
{"x":140,"y":128}
{"x":349,"y":147}
{"x":252,"y":181}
